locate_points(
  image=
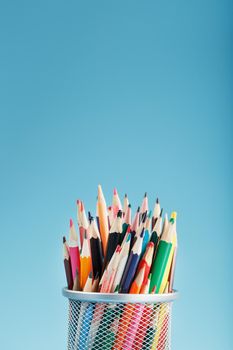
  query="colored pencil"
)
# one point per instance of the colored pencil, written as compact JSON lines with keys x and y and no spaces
{"x":85,"y":262}
{"x":74,"y":249}
{"x":126,"y":222}
{"x":156,"y":213}
{"x":161,"y":259}
{"x":147,"y":261}
{"x":96,"y":248}
{"x":156,"y":230}
{"x":110,"y":217}
{"x":125,"y":204}
{"x":114,"y":237}
{"x":123,"y":260}
{"x":131,"y":265}
{"x":76,"y":285}
{"x":116,"y":203}
{"x":164,"y":282}
{"x":145,"y":318}
{"x":144,"y":207}
{"x":103,"y":219}
{"x":67,"y":264}
{"x":134,"y":226}
{"x":147,"y":234}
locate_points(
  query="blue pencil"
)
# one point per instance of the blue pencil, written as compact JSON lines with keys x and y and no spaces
{"x":131,"y":265}
{"x":86,"y":323}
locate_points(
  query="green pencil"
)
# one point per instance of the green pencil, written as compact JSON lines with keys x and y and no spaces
{"x":161,"y":258}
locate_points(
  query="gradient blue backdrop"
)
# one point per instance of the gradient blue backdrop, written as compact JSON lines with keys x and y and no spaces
{"x":132,"y":94}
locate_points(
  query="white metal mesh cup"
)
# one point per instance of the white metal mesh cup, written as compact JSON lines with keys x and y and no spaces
{"x":99,"y":321}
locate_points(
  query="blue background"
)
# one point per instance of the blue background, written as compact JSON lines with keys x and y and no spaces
{"x":132,"y":94}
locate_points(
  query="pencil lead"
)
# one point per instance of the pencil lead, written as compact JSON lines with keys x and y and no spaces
{"x":138,"y":210}
{"x":64,"y":239}
{"x":150,"y":213}
{"x":118,"y":248}
{"x":71,"y":223}
{"x":161,"y":212}
{"x":144,"y":217}
{"x":129,"y":206}
{"x":126,"y":195}
{"x":142,"y":233}
{"x":157,"y":200}
{"x":90,"y":274}
{"x":145,"y":195}
{"x":115,"y":191}
{"x":119,"y":214}
{"x":128,"y":237}
{"x":78,"y":201}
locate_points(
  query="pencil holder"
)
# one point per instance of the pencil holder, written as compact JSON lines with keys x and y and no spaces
{"x":99,"y":321}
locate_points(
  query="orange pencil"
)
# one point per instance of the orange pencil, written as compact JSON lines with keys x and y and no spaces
{"x":103,"y":219}
{"x":85,"y":262}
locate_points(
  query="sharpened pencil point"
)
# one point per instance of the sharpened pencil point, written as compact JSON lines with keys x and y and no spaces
{"x":142,"y":233}
{"x":161,"y":212}
{"x":71,"y":223}
{"x":119,"y":214}
{"x":115,"y":191}
{"x":129,"y":206}
{"x":78,"y":202}
{"x":157,"y":200}
{"x":128,"y":237}
{"x":126,"y":195}
{"x":90,"y":275}
{"x":64,"y":239}
{"x":118,"y":249}
{"x":145,"y":195}
{"x":138,"y":210}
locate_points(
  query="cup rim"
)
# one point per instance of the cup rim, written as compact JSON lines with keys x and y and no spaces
{"x":120,"y":298}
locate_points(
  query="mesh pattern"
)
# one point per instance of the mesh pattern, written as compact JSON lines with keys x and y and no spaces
{"x":118,"y":326}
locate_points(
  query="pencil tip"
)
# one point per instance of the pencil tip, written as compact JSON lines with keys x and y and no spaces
{"x":129,"y":206}
{"x":71,"y":223}
{"x":64,"y":239}
{"x":142,"y":233}
{"x":90,"y":274}
{"x":128,"y":237}
{"x":115,"y":191}
{"x":138,"y":210}
{"x":119,"y":214}
{"x":161,"y":212}
{"x":78,"y":201}
{"x":126,"y":195}
{"x":118,"y":248}
{"x":157,"y":200}
{"x":145,"y":195}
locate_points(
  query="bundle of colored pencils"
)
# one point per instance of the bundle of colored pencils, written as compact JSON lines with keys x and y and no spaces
{"x":114,"y":254}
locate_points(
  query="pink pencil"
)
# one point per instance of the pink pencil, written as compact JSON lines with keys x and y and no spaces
{"x":74,"y":250}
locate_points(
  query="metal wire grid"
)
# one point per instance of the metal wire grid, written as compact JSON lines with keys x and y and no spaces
{"x":119,"y":326}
